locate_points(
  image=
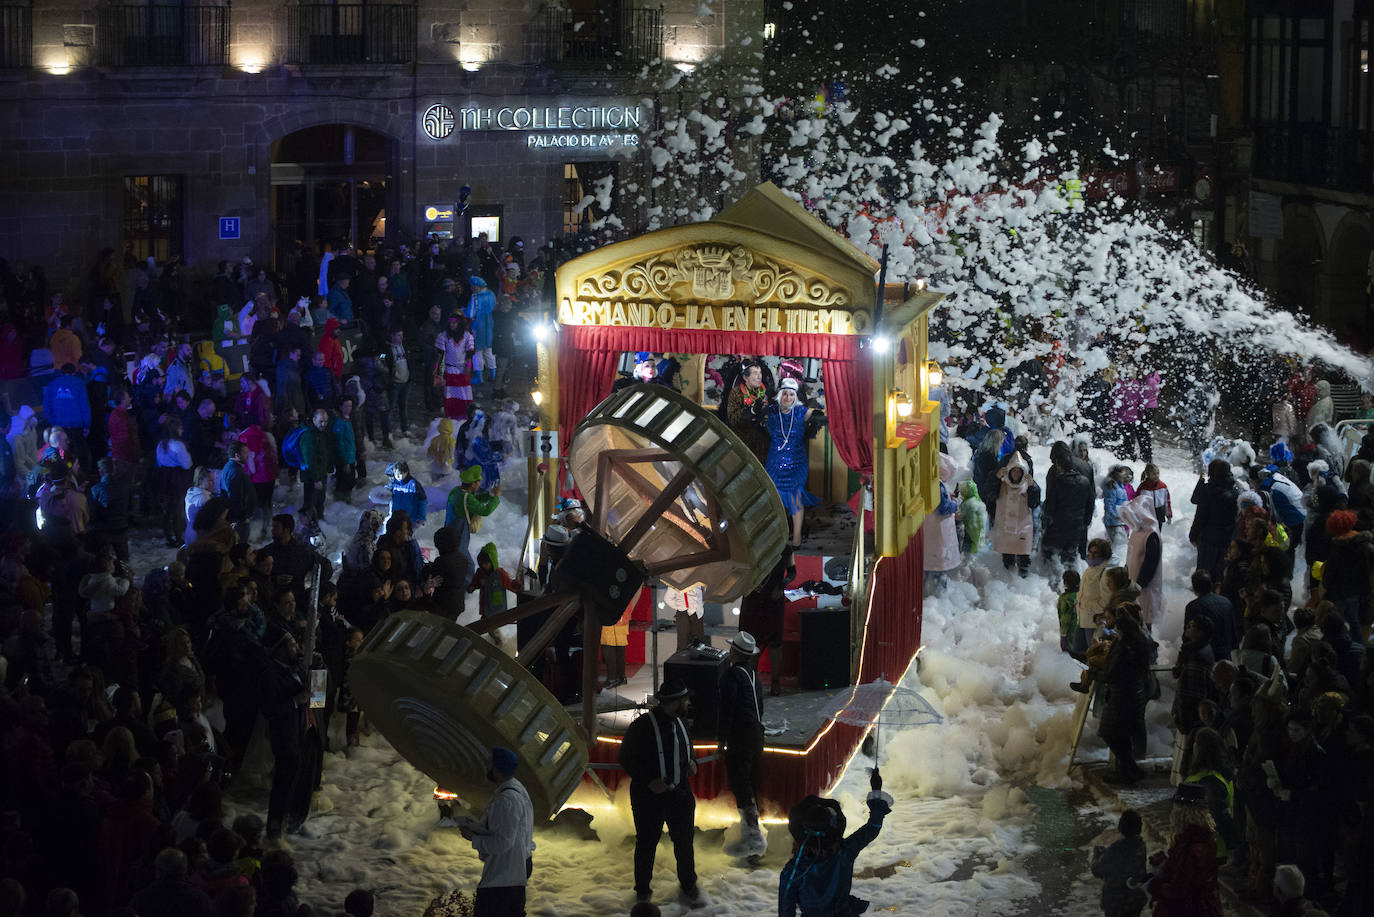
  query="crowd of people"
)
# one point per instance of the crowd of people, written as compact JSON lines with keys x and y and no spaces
{"x":1273,"y":709}
{"x":129,"y":708}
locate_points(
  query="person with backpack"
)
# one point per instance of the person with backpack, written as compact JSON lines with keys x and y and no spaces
{"x":467,"y":506}
{"x":308,"y":448}
{"x":817,"y":879}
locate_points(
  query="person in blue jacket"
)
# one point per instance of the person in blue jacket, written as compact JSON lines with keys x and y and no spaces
{"x":407,"y":493}
{"x":479,"y":312}
{"x":818,"y":878}
{"x":66,"y":405}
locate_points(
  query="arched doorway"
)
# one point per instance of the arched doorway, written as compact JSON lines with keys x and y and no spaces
{"x":1299,"y":260}
{"x":1347,"y":268}
{"x":330,"y":183}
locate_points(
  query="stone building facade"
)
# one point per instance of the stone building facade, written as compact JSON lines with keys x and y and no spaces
{"x":169,"y":129}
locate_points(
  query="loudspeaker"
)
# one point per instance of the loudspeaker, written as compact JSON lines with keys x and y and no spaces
{"x":600,"y":572}
{"x":824,"y":648}
{"x":702,"y":674}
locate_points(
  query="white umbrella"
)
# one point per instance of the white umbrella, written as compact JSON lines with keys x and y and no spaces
{"x":881,"y":703}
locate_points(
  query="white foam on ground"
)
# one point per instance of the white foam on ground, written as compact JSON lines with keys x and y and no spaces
{"x":991,"y":666}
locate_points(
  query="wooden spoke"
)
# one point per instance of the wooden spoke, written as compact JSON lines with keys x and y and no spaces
{"x":683,"y":561}
{"x":552,"y":626}
{"x":648,"y":491}
{"x":520,"y":612}
{"x":667,"y":498}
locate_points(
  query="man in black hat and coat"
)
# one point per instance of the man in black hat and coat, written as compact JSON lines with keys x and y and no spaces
{"x":657,"y":754}
{"x":741,"y":730}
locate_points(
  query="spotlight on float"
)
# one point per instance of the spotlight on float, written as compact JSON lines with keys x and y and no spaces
{"x":541,"y":332}
{"x":538,"y":397}
{"x":934,"y":375}
{"x":881,"y":343}
{"x":903,"y":402}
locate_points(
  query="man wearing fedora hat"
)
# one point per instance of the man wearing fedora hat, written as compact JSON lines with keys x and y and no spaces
{"x":741,"y":731}
{"x":657,"y":754}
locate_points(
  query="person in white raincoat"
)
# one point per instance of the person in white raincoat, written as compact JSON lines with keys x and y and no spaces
{"x":1013,"y":527}
{"x":1145,"y":556}
{"x":941,"y":529}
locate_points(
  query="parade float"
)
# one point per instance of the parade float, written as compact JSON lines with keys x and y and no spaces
{"x":674,"y":499}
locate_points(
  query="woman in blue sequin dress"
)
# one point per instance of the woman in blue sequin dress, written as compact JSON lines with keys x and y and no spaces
{"x":787,"y":463}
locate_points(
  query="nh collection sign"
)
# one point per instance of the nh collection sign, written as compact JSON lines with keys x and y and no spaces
{"x":608,"y":124}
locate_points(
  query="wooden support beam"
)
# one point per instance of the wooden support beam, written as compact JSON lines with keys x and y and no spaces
{"x":520,"y":612}
{"x":551,"y":627}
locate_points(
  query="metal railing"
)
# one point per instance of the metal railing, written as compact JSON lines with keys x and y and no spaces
{"x":16,"y":37}
{"x":162,"y":36}
{"x":351,"y":33}
{"x":1315,"y":154}
{"x":620,"y":36}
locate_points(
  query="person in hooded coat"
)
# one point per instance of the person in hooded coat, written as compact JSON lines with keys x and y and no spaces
{"x":1144,"y":557}
{"x":358,"y":550}
{"x":1214,"y":522}
{"x":479,"y":311}
{"x":262,"y":470}
{"x":1323,"y":409}
{"x":225,"y":324}
{"x":332,"y":349}
{"x":453,"y":568}
{"x":1361,"y":493}
{"x":478,"y":452}
{"x":1013,"y":527}
{"x":942,"y":533}
{"x":1070,"y":498}
{"x":994,"y":443}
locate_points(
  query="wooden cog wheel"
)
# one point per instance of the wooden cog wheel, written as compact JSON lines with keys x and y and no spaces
{"x":678,"y":492}
{"x":443,"y":696}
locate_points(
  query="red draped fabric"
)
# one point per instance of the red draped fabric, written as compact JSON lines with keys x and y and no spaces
{"x":849,"y":409}
{"x":587,"y":357}
{"x":893,"y":634}
{"x":585,"y":377}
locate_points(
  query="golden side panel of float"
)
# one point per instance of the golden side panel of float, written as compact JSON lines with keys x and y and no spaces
{"x":906,"y":478}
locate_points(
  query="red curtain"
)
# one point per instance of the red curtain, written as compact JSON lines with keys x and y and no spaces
{"x":588,"y":354}
{"x":894,"y":627}
{"x":849,"y":409}
{"x":585,"y":377}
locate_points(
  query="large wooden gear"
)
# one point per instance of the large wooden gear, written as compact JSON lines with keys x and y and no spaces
{"x":443,"y":696}
{"x":671,"y":493}
{"x":713,"y":516}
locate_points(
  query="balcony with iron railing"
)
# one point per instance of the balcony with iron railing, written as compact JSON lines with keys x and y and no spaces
{"x":1315,"y":154}
{"x":340,"y":34}
{"x":16,"y":37}
{"x":619,"y":36}
{"x":155,"y":35}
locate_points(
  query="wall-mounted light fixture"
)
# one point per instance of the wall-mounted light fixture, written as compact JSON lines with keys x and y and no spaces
{"x":902,"y":402}
{"x":934,"y":375}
